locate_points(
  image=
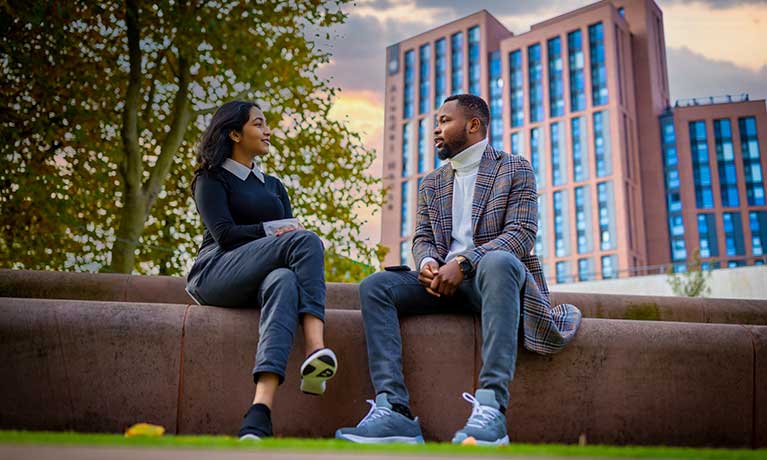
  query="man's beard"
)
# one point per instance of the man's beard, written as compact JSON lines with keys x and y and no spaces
{"x":451,"y":149}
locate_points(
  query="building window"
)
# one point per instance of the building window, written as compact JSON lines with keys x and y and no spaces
{"x":725,"y":158}
{"x":622,"y":12}
{"x":456,"y":60}
{"x":585,"y":270}
{"x":580,"y":157}
{"x":440,"y":70}
{"x":598,"y":67}
{"x":536,"y":160}
{"x":405,"y":209}
{"x":406,"y":150}
{"x":670,"y":164}
{"x":516,"y":88}
{"x":422,"y":145}
{"x":701,"y":171}
{"x":676,"y":231}
{"x":437,"y":161}
{"x":606,"y":200}
{"x":577,"y":80}
{"x":609,"y":267}
{"x":392,"y":58}
{"x":752,"y":169}
{"x":405,"y":252}
{"x":408,"y":92}
{"x":602,"y":144}
{"x":556,"y":87}
{"x":583,"y":220}
{"x":474,"y":61}
{"x":757,"y":222}
{"x":707,"y":236}
{"x":561,"y":220}
{"x":496,"y":101}
{"x":424,"y":55}
{"x":535,"y":77}
{"x":558,"y":163}
{"x":516,"y":143}
{"x":563,"y":272}
{"x":733,"y":234}
{"x":540,"y":239}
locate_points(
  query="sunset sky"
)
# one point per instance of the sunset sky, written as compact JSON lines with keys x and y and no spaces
{"x":714,"y":47}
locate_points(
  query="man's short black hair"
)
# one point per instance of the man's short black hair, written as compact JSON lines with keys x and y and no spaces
{"x":474,"y":107}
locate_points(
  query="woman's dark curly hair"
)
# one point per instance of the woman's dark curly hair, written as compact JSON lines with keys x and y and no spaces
{"x":216,"y":145}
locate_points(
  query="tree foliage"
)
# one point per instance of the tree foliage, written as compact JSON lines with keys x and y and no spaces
{"x":103,"y":103}
{"x":693,"y":282}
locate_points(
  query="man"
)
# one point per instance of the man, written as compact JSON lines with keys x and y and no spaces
{"x":476,"y":227}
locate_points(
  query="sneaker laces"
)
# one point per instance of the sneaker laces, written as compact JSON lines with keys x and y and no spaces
{"x":374,"y":413}
{"x":480,"y":415}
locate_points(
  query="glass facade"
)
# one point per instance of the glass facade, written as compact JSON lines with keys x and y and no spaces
{"x":409,"y":91}
{"x":474,"y":61}
{"x":580,"y":154}
{"x":598,"y":67}
{"x":405,"y":210}
{"x":733,"y":234}
{"x":496,"y":101}
{"x":516,"y":88}
{"x":561,"y":222}
{"x":424,"y":56}
{"x":725,"y":159}
{"x":701,"y":171}
{"x":749,"y":145}
{"x":584,"y":232}
{"x":541,"y":248}
{"x":556,"y":87}
{"x":609,"y":267}
{"x":602,"y":144}
{"x":673,"y":197}
{"x":576,"y":64}
{"x":516,"y":143}
{"x":606,"y":202}
{"x":423,"y":137}
{"x":707,"y":236}
{"x":535,"y":80}
{"x":440,"y":71}
{"x":558,"y":160}
{"x":757,"y":222}
{"x":586,"y":269}
{"x":406,"y":150}
{"x":563,"y":272}
{"x":456,"y":60}
{"x":405,"y":252}
{"x":536,"y":158}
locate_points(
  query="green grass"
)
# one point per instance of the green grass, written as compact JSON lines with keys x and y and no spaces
{"x":326,"y":445}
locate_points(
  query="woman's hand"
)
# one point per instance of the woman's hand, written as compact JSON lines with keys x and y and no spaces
{"x":287,"y":228}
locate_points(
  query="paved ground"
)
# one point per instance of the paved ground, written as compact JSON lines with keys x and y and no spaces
{"x":27,"y":452}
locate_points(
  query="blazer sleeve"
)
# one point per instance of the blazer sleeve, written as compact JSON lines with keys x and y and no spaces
{"x":212,"y":202}
{"x":423,"y":238}
{"x":521,"y":222}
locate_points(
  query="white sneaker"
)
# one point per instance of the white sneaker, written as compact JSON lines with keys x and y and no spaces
{"x":318,"y":368}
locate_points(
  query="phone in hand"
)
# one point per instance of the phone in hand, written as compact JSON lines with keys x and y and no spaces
{"x":397,"y":268}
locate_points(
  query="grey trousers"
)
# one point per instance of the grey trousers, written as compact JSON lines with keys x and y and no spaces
{"x":495,"y":292}
{"x":283,"y":276}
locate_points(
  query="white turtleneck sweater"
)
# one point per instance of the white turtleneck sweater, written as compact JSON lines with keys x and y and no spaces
{"x":465,"y":166}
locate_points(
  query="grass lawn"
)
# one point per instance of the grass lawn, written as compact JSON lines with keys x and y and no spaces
{"x":329,"y":446}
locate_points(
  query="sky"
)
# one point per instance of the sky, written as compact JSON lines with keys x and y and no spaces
{"x":714,"y":47}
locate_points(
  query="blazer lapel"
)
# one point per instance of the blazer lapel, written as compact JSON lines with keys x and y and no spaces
{"x":488,"y":170}
{"x":445,"y":202}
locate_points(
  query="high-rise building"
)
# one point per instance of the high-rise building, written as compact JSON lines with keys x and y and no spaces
{"x":584,"y":96}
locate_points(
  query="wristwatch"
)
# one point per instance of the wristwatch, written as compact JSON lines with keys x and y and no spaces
{"x":465,"y":266}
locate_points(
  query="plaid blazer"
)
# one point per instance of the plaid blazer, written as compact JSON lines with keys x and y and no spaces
{"x":504,"y":216}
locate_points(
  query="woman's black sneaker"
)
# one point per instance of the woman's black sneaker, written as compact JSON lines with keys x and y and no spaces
{"x":257,"y":423}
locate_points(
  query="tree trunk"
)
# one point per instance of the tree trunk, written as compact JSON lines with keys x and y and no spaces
{"x":129,"y":231}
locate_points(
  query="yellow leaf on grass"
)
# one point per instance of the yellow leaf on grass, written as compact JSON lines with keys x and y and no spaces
{"x":144,"y":429}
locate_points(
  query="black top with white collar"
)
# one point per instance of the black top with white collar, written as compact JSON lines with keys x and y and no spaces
{"x":234,"y":209}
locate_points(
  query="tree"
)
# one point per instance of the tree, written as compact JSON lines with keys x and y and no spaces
{"x":693,"y":281}
{"x":107,"y":100}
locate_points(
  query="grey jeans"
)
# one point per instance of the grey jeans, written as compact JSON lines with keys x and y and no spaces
{"x":283,"y":276}
{"x":495,"y":292}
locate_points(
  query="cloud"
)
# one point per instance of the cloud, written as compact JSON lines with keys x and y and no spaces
{"x":694,"y":75}
{"x":718,"y":4}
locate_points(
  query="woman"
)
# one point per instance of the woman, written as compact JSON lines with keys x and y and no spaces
{"x":238,"y":265}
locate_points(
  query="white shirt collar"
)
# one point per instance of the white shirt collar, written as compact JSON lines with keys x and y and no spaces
{"x":469,"y":158}
{"x":241,"y":171}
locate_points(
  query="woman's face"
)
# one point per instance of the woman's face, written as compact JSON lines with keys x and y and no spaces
{"x":254,"y":139}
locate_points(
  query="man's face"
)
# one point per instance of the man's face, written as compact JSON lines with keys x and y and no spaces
{"x":451,"y":135}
